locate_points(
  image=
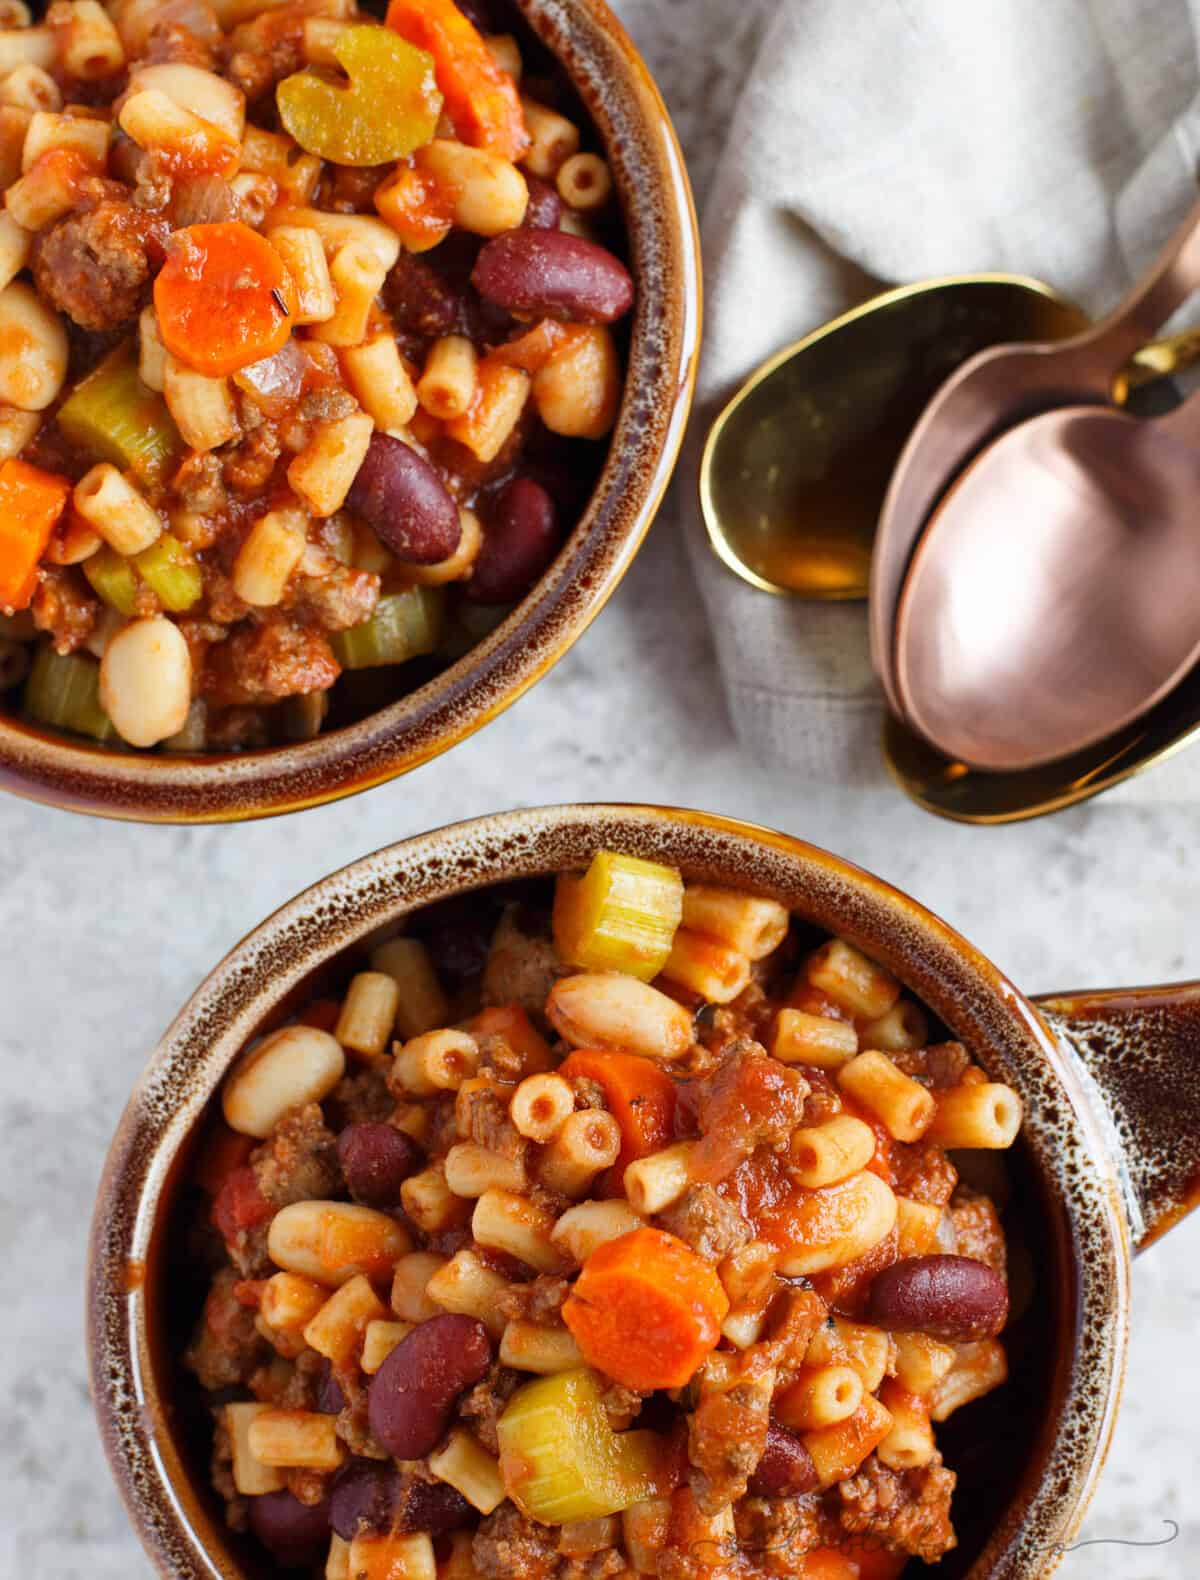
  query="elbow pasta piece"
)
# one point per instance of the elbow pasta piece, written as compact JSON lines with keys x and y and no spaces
{"x":368,"y":1013}
{"x":837,"y":1451}
{"x":337,"y":1565}
{"x":820,"y":1396}
{"x":753,"y":926}
{"x":337,"y":230}
{"x":49,"y":131}
{"x":14,"y":124}
{"x":357,"y":275}
{"x":328,"y":464}
{"x":269,"y":554}
{"x":513,"y":1223}
{"x":202,"y":407}
{"x":918,"y":1224}
{"x":500,"y":396}
{"x":837,"y":1225}
{"x":829,"y":1153}
{"x":295,"y":1440}
{"x":577,"y":391}
{"x":853,"y":982}
{"x":909,"y":1443}
{"x":552,"y":139}
{"x":124,"y":519}
{"x":152,"y":354}
{"x":435,"y":1061}
{"x":586,"y":1145}
{"x":33,"y":349}
{"x":905,"y":1027}
{"x":459,"y":565}
{"x":48,"y":191}
{"x":30,"y":88}
{"x":251,"y":1477}
{"x":332,"y":1242}
{"x":380,"y":1338}
{"x":466,"y":1286}
{"x":446,"y":388}
{"x":506,"y":52}
{"x":288,"y":1068}
{"x":202,"y":93}
{"x":531,"y":1347}
{"x":983,"y":1114}
{"x":978,"y":1368}
{"x":471,"y":1170}
{"x":89,"y":46}
{"x":800,"y":1038}
{"x":706,"y":967}
{"x":289,"y":1302}
{"x":381,"y":382}
{"x":541,"y":1105}
{"x":421,"y":1004}
{"x":153,"y":120}
{"x":653,"y":1183}
{"x":464,"y":1464}
{"x":337,"y":1330}
{"x":486,"y":194}
{"x":27,"y":46}
{"x":921,"y":1361}
{"x":596,"y":1010}
{"x":904,"y":1106}
{"x":584,"y":182}
{"x":392,"y":1558}
{"x":313,"y":297}
{"x":430,"y":1203}
{"x":582,"y":1228}
{"x":410,"y":1297}
{"x":321,"y":34}
{"x":644,"y":1528}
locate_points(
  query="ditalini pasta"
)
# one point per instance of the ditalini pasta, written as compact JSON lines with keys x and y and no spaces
{"x":570,"y":1261}
{"x":339,"y":301}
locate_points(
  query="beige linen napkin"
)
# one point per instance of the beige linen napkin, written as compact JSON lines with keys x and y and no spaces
{"x":890,"y":140}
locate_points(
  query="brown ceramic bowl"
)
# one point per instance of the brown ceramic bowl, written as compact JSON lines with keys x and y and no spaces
{"x":1110,"y":1157}
{"x":620,"y":97}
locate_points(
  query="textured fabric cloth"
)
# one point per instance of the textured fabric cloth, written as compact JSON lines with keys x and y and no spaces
{"x":889,"y":141}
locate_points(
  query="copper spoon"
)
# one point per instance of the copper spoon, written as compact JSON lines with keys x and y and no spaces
{"x":1055,"y":595}
{"x":995,"y":390}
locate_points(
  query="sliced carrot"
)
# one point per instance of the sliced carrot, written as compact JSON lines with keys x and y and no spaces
{"x":646,"y":1310}
{"x":240,"y":1205}
{"x":512,"y":1023}
{"x":640,"y":1096}
{"x":223,"y":298}
{"x":31,"y":502}
{"x":481,"y":99}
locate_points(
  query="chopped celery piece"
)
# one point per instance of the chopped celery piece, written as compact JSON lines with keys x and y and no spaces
{"x":113,"y":416}
{"x":389,"y":107}
{"x":167,"y":568}
{"x":112,"y":578}
{"x":562,"y":1461}
{"x":620,"y":916}
{"x":64,"y":690}
{"x":403,"y":625}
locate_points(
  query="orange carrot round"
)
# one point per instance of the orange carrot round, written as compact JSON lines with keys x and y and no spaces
{"x":31,"y":501}
{"x":223,"y":298}
{"x":646,"y":1310}
{"x":640,"y":1097}
{"x":481,"y":99}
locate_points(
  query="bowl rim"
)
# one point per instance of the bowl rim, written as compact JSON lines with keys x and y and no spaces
{"x":255,"y":979}
{"x":626,"y":108}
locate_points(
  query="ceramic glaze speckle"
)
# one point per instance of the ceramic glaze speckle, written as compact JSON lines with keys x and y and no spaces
{"x":655,"y":197}
{"x":1083,"y":1290}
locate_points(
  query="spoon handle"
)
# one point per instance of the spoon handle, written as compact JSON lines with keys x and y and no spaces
{"x":1165,"y":286}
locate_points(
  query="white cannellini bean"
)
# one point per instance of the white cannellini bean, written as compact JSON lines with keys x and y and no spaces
{"x":295,"y":1065}
{"x":146,"y":681}
{"x":596,"y":1010}
{"x":33,"y":349}
{"x":334,"y":1241}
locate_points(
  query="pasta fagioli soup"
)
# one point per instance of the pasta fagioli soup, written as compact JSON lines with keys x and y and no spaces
{"x":606,"y":1227}
{"x":310,"y":343}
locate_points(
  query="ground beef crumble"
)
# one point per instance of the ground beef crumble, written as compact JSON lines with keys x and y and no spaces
{"x":707,"y":1222}
{"x":908,"y":1511}
{"x":299,"y":1160}
{"x":485,"y":1403}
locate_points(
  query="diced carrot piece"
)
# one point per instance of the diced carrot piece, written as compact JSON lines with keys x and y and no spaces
{"x":31,"y":502}
{"x":646,"y":1310}
{"x":640,"y":1097}
{"x":223,"y":298}
{"x":481,"y":99}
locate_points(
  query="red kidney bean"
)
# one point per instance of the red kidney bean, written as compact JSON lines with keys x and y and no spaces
{"x":545,"y":206}
{"x":400,"y":495}
{"x":295,"y":1534}
{"x":330,"y":1398}
{"x":948,"y":1297}
{"x":433,"y":1507}
{"x":554,"y":275}
{"x":786,"y":1466}
{"x":364,"y":1498}
{"x":520,"y":540}
{"x":413,"y":1392}
{"x":376,"y":1160}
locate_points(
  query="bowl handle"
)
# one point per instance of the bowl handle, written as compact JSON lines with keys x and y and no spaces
{"x":1140,"y":1049}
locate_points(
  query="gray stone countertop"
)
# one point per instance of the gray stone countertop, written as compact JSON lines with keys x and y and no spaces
{"x":107,"y":928}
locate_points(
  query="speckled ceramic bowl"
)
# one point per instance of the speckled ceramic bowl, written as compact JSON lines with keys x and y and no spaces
{"x":1110,"y":1157}
{"x":624,"y":104}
